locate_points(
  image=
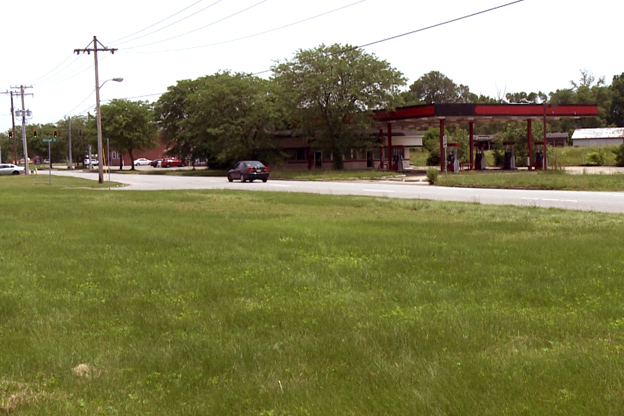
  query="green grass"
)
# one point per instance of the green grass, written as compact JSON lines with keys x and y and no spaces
{"x":225,"y":302}
{"x":552,"y":179}
{"x":575,"y":156}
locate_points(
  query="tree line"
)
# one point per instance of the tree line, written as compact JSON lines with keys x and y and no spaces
{"x":325,"y":96}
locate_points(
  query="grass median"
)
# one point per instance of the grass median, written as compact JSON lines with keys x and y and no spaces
{"x":226,"y":302}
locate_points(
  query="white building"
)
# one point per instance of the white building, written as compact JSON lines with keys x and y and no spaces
{"x":607,"y":136}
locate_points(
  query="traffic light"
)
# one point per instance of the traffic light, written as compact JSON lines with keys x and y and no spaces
{"x":35,"y":133}
{"x":10,"y":135}
{"x":55,"y":134}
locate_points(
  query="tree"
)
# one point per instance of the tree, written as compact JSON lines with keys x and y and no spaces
{"x":586,"y":91}
{"x":129,"y":125}
{"x":221,"y":118}
{"x":435,"y":87}
{"x":616,"y":113}
{"x":330,"y":93}
{"x":524,"y":98}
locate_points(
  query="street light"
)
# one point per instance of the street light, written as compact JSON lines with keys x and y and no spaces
{"x":99,"y":123}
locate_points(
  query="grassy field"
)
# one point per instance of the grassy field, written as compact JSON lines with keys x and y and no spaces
{"x":552,"y":179}
{"x":566,"y":156}
{"x":219,"y":302}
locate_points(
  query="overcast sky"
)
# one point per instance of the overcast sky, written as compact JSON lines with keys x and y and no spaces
{"x":532,"y":45}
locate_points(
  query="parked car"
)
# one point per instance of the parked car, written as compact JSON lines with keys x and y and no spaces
{"x":142,"y":162}
{"x":156,"y":163}
{"x":94,"y":162}
{"x":248,"y":170}
{"x":10,"y":169}
{"x":172,"y":162}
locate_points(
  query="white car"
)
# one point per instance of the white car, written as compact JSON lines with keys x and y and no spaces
{"x":142,"y":162}
{"x":10,"y":169}
{"x":94,"y":162}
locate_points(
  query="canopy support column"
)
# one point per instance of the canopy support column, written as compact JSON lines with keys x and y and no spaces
{"x":442,"y":159}
{"x":390,"y":158}
{"x":471,"y":128}
{"x":530,"y":142}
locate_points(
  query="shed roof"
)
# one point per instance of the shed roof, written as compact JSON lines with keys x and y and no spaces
{"x":602,"y":133}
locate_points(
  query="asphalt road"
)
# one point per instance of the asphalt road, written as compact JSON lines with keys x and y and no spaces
{"x":572,"y":200}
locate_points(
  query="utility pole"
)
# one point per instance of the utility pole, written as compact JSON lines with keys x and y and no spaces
{"x":23,"y":112}
{"x":95,"y":50}
{"x":69,"y":145}
{"x":12,"y":126}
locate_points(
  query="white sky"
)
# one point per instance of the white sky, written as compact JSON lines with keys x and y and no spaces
{"x":534,"y":45}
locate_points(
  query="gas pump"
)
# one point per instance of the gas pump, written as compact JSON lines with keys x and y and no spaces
{"x":452,"y":161}
{"x":509,"y":161}
{"x":539,"y":155}
{"x":480,"y":157}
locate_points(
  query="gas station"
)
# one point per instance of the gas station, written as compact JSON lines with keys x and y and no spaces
{"x":423,"y":117}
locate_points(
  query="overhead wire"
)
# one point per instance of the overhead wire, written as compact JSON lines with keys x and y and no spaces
{"x":200,"y":28}
{"x":43,"y":77}
{"x":171,"y":24}
{"x":260,"y":33}
{"x":157,"y":23}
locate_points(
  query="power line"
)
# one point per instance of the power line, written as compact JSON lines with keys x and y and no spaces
{"x":53,"y":69}
{"x":418,"y":30}
{"x":441,"y":24}
{"x":159,"y":22}
{"x":200,"y":28}
{"x":261,"y":33}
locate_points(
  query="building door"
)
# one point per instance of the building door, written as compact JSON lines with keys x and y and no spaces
{"x":318,"y":160}
{"x":369,"y":159}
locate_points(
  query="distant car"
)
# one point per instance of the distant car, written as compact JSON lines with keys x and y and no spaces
{"x":10,"y":169}
{"x":248,"y":170}
{"x":172,"y":162}
{"x":156,"y":163}
{"x":94,"y":162}
{"x":142,"y":162}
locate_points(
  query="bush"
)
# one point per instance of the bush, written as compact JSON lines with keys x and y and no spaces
{"x":619,"y":155}
{"x":595,"y":159}
{"x":432,"y":175}
{"x":434,"y":158}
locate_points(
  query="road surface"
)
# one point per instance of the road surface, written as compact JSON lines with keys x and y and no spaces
{"x":572,"y":200}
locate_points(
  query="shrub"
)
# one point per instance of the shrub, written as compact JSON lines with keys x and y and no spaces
{"x":619,"y":155}
{"x":432,"y":175}
{"x":595,"y":159}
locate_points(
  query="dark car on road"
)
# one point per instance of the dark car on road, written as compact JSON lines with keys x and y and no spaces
{"x":248,"y":170}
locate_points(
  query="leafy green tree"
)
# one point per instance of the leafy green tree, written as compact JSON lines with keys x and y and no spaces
{"x":524,"y":98}
{"x":129,"y":125}
{"x":616,"y":113}
{"x":330,"y":92}
{"x":587,"y":91}
{"x":221,"y":118}
{"x":79,"y":141}
{"x":435,"y":87}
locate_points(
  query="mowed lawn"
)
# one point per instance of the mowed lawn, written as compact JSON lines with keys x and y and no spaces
{"x":252,"y":303}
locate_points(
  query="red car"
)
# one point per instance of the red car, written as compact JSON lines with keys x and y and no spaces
{"x":172,"y":162}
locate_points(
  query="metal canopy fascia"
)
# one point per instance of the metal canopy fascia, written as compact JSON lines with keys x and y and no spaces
{"x":422,"y":117}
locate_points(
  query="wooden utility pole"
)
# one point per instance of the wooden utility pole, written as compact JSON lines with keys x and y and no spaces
{"x":95,"y":50}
